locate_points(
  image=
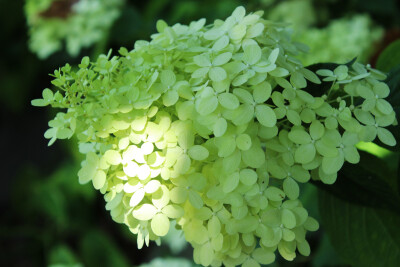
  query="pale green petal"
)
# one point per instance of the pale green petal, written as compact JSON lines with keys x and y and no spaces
{"x":365,"y":92}
{"x":274,"y":55}
{"x":351,"y":154}
{"x":195,"y":199}
{"x":291,"y":188}
{"x":305,"y":153}
{"x":299,"y":137}
{"x":113,"y":157}
{"x":206,"y":254}
{"x":300,"y":174}
{"x":255,"y":156}
{"x":381,"y":89}
{"x":325,"y":149}
{"x":237,"y":32}
{"x":222,"y":59}
{"x":173,"y":211}
{"x":263,"y":256}
{"x":243,"y":114}
{"x":228,"y":100}
{"x":311,"y":224}
{"x":230,"y":182}
{"x":217,"y":74}
{"x":214,"y":226}
{"x":368,"y":104}
{"x":99,"y":179}
{"x":293,"y":117}
{"x":304,"y":248}
{"x":178,"y":195}
{"x":170,"y":98}
{"x":226,"y":145}
{"x":243,"y":141}
{"x":298,"y":80}
{"x":262,"y":92}
{"x":288,"y":219}
{"x":243,"y":95}
{"x":137,"y":197}
{"x":275,"y":194}
{"x":221,"y":43}
{"x":332,"y":165}
{"x":145,"y":212}
{"x":220,"y":127}
{"x":202,"y":60}
{"x":198,"y":152}
{"x":160,"y":224}
{"x":317,"y":130}
{"x":206,"y":105}
{"x":250,"y":263}
{"x":152,"y":186}
{"x":239,"y":212}
{"x":168,"y":77}
{"x":386,"y":136}
{"x":201,"y":72}
{"x":384,"y":106}
{"x":252,"y":54}
{"x":265,"y":115}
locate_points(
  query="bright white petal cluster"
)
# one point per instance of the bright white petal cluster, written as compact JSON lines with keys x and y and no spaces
{"x":212,"y":126}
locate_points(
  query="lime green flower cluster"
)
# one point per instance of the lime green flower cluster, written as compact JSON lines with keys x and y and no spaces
{"x":341,"y":40}
{"x":213,"y":127}
{"x":80,"y":23}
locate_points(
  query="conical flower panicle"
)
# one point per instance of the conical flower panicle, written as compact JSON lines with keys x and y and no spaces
{"x":213,"y":127}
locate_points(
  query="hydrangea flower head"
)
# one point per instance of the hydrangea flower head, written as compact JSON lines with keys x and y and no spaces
{"x":212,"y":126}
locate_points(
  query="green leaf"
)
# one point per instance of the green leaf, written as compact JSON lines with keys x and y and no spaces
{"x":390,"y":57}
{"x":362,"y":236}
